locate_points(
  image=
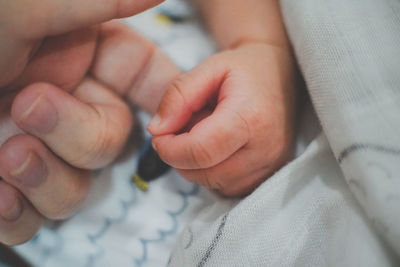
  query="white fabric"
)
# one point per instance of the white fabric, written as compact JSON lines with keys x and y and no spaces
{"x":349,"y":53}
{"x":303,"y":216}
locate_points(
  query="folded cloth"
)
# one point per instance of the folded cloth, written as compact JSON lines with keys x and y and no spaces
{"x":305,"y":215}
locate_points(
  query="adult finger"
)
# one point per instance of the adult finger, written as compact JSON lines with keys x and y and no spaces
{"x":54,"y":188}
{"x":132,"y":66}
{"x":8,"y":127}
{"x":62,"y":60}
{"x":87,"y":129}
{"x":49,"y":17}
{"x":19,"y":221}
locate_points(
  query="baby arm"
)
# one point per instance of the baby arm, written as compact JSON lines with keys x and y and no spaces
{"x":231,"y":119}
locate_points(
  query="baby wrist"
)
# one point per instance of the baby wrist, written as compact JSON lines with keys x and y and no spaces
{"x":242,"y":41}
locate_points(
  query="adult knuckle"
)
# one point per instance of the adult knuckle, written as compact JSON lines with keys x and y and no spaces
{"x":104,"y":146}
{"x":71,"y":201}
{"x":13,"y":239}
{"x":92,"y":151}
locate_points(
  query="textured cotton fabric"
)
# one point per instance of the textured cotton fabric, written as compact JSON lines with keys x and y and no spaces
{"x":303,"y":216}
{"x":349,"y":52}
{"x":338,"y":204}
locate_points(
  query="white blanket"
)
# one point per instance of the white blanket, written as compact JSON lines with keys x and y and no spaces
{"x":349,"y":52}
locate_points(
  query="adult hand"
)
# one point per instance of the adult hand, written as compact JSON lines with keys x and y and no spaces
{"x":58,"y":134}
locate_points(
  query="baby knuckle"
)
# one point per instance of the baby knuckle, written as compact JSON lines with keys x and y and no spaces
{"x":200,"y":156}
{"x":202,"y":178}
{"x":217,"y":184}
{"x":211,"y":181}
{"x":244,"y":122}
{"x":282,"y":151}
{"x":177,"y":87}
{"x":227,"y":192}
{"x":240,"y":190}
{"x":231,"y":192}
{"x":257,"y":118}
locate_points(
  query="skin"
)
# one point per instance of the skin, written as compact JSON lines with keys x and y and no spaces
{"x":67,"y":77}
{"x":62,"y":80}
{"x":231,"y":119}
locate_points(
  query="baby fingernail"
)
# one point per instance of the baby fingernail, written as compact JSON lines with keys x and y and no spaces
{"x":155,"y":121}
{"x":41,"y":117}
{"x":32,"y":171}
{"x":10,"y":204}
{"x":154,"y":145}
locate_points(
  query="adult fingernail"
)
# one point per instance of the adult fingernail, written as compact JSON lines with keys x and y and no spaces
{"x":10,"y":204}
{"x":41,"y":116}
{"x":32,"y":172}
{"x":155,"y":122}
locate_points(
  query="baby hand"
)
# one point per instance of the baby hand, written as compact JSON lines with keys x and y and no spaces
{"x":229,"y":123}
